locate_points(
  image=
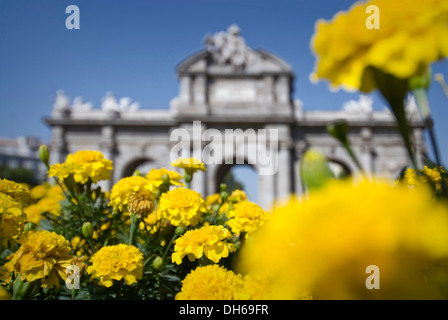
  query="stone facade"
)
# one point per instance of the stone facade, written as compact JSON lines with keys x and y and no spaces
{"x":230,"y":86}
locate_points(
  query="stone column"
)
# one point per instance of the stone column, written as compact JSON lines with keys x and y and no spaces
{"x":420,"y":147}
{"x":185,"y":89}
{"x":200,"y":93}
{"x":58,"y":147}
{"x":269,"y":89}
{"x":107,"y":147}
{"x":283,"y":176}
{"x":366,"y":157}
{"x":266,"y":190}
{"x":299,"y":148}
{"x":282,"y":89}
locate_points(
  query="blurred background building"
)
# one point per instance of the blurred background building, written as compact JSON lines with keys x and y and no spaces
{"x":19,"y":160}
{"x":229,"y":85}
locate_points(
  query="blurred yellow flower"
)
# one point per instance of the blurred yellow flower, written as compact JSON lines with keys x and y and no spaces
{"x":324,"y":245}
{"x":17,"y":191}
{"x":39,"y":191}
{"x":412,"y":35}
{"x":84,"y":165}
{"x":155,"y":177}
{"x":124,"y":188}
{"x":12,"y":220}
{"x":48,"y":200}
{"x":115,"y":263}
{"x":44,"y":256}
{"x":247,"y":217}
{"x":191,"y":164}
{"x":208,"y":241}
{"x":182,"y":207}
{"x":237,"y":196}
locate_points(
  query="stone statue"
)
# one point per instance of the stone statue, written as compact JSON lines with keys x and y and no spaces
{"x":125,"y":105}
{"x":363,"y":105}
{"x":80,"y":106}
{"x":110,"y":105}
{"x":228,"y":48}
{"x":61,"y":106}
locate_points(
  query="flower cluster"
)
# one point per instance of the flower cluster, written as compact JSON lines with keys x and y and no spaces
{"x":83,"y":165}
{"x":46,"y":199}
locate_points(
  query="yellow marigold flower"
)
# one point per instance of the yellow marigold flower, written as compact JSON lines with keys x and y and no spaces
{"x":211,"y":282}
{"x":208,"y":240}
{"x":17,"y":191}
{"x":434,"y":175}
{"x":253,"y":288}
{"x":191,"y":164}
{"x":155,"y":177}
{"x":237,"y":196}
{"x":141,"y":203}
{"x":49,"y":200}
{"x":412,"y":34}
{"x":84,"y":165}
{"x":151,"y":222}
{"x":214,"y":282}
{"x":246,"y":217}
{"x":12,"y":220}
{"x":115,"y":263}
{"x":325,"y":244}
{"x":39,"y":191}
{"x":212,"y":200}
{"x":182,"y":207}
{"x":429,"y":175}
{"x":410,"y":177}
{"x":124,"y":188}
{"x":44,"y":256}
{"x":34,"y":213}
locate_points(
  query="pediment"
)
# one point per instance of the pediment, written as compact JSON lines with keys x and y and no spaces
{"x":226,"y":53}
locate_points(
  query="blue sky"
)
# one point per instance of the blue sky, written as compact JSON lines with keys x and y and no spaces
{"x":132,"y":48}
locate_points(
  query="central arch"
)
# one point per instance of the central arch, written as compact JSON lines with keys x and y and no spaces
{"x":241,"y":176}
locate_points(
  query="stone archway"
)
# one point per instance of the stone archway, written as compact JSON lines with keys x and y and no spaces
{"x":250,"y":184}
{"x":141,"y":164}
{"x":339,"y":168}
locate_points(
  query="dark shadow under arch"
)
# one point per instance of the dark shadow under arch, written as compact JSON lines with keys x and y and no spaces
{"x":133,"y":165}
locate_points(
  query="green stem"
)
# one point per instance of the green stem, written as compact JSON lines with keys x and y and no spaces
{"x":421,"y":98}
{"x":132,"y":228}
{"x":355,"y":159}
{"x":394,"y":90}
{"x":168,"y":246}
{"x":91,"y":245}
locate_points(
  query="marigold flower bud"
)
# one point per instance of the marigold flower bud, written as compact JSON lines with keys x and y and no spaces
{"x":87,"y":230}
{"x":44,"y":154}
{"x":314,"y":169}
{"x":166,"y":179}
{"x":29,"y":226}
{"x":179,"y":230}
{"x":157,"y":263}
{"x":418,"y":81}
